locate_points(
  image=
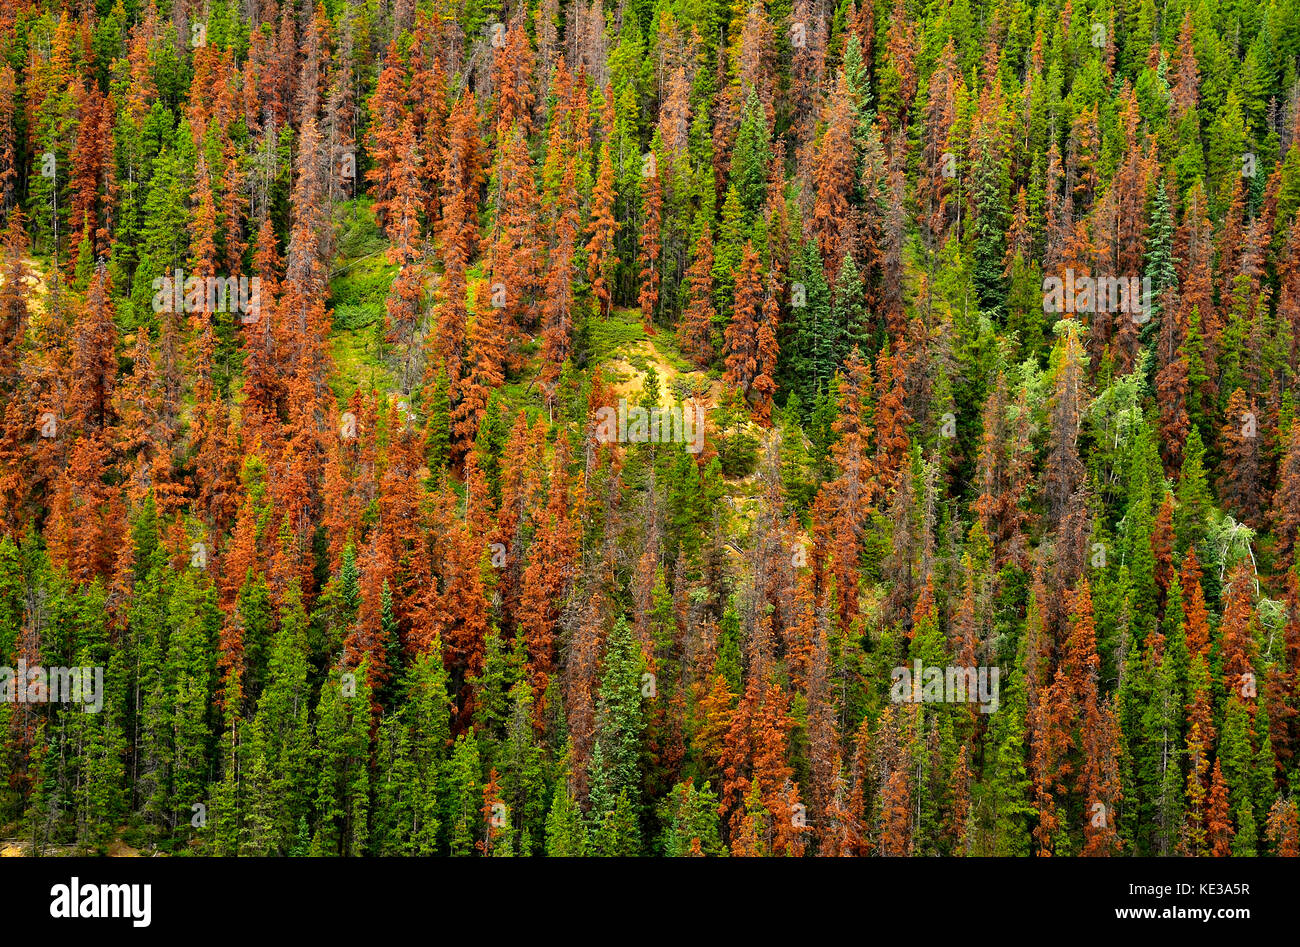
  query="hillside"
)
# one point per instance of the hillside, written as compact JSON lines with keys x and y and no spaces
{"x":566,"y":428}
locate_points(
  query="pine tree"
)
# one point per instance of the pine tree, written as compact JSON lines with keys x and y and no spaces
{"x":740,"y":345}
{"x":601,"y":255}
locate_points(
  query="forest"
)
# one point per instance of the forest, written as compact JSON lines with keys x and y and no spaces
{"x":650,"y":428}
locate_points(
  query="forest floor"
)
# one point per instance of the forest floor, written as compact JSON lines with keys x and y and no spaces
{"x":626,"y":370}
{"x":18,"y":848}
{"x":36,"y":280}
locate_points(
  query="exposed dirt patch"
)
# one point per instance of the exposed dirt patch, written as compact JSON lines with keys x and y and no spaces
{"x":628,"y":381}
{"x":35,"y":283}
{"x":119,"y":849}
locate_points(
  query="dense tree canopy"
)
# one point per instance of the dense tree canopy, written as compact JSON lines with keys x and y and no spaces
{"x":576,"y":428}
